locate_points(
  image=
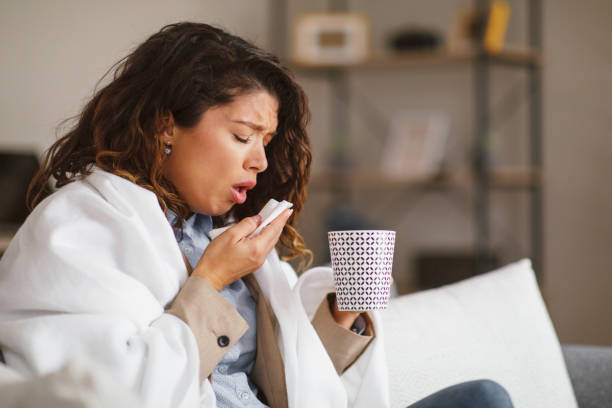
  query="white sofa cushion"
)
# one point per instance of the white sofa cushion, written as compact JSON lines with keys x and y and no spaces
{"x":491,"y":326}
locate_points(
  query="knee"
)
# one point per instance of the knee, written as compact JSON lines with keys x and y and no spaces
{"x":489,"y":393}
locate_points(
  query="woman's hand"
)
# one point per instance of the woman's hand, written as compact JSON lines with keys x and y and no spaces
{"x":233,"y":255}
{"x":344,"y":318}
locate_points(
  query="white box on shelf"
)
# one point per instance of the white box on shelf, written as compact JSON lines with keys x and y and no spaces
{"x":331,"y":38}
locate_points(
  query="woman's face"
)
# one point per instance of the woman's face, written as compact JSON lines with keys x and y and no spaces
{"x":215,"y":163}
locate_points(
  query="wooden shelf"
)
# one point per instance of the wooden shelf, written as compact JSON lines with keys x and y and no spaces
{"x":513,"y":56}
{"x":365,"y":180}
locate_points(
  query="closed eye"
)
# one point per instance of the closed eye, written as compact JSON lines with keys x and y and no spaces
{"x":241,"y":140}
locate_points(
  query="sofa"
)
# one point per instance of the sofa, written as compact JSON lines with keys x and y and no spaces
{"x":590,"y":370}
{"x":491,"y":326}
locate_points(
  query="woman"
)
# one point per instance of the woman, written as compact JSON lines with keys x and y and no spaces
{"x":197,"y":127}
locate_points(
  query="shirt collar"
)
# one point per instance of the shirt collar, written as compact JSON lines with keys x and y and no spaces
{"x":197,"y":222}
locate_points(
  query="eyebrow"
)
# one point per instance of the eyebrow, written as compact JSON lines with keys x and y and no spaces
{"x":253,"y":126}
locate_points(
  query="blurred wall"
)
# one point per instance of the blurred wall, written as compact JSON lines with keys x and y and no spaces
{"x":578,"y":168}
{"x":54,"y":52}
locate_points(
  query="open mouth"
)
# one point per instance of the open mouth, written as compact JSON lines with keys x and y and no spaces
{"x":239,"y":191}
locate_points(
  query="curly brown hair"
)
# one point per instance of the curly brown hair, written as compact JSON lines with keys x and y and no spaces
{"x":178,"y":73}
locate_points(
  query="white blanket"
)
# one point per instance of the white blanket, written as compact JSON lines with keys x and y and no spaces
{"x":307,"y":364}
{"x":90,"y":274}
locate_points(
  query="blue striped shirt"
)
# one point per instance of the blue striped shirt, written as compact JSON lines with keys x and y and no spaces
{"x":231,"y":383}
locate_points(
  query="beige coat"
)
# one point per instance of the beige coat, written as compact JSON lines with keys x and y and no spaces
{"x":211,"y":318}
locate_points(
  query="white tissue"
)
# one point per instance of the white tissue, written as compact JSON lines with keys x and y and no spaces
{"x":268,"y":213}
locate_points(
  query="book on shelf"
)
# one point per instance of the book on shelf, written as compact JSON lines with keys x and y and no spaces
{"x":497,"y":24}
{"x":470,"y":25}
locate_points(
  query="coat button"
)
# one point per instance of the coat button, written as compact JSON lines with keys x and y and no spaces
{"x":223,"y":341}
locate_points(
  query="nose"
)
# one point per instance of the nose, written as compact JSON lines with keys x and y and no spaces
{"x":257,"y":160}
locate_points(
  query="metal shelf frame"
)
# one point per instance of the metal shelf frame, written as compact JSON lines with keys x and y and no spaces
{"x":483,"y":179}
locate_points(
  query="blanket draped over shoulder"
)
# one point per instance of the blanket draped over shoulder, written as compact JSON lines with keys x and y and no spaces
{"x":90,"y":274}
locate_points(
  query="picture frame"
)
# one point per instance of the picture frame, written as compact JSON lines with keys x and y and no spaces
{"x":415,"y":145}
{"x":333,"y":38}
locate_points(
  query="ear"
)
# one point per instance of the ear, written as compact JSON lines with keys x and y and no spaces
{"x":168,"y":130}
{"x":168,"y":136}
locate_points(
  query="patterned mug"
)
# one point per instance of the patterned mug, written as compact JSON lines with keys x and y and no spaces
{"x":362,"y":262}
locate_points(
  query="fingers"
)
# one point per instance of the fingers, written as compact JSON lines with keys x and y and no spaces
{"x":272,"y":231}
{"x":244,"y":228}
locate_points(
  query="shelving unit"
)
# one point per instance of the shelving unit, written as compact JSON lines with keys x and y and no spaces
{"x":502,"y":179}
{"x":479,"y":180}
{"x":518,"y":56}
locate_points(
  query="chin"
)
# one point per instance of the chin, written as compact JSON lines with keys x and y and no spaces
{"x":214,"y":208}
{"x":220,"y":209}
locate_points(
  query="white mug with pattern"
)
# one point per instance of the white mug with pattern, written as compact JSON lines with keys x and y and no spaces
{"x":362,"y":261}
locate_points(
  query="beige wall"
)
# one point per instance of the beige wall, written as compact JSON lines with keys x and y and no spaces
{"x":53,"y":52}
{"x":578,"y":169}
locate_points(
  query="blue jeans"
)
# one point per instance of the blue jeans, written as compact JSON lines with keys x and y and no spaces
{"x":471,"y":394}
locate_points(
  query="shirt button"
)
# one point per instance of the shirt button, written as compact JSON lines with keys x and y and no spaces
{"x":244,"y":395}
{"x":188,"y":250}
{"x":222,"y":369}
{"x":223,"y":341}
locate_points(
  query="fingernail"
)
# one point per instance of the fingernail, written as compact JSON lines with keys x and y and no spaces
{"x":257,"y":218}
{"x":290,"y":212}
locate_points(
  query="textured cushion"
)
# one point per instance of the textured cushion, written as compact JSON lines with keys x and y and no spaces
{"x":491,"y":326}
